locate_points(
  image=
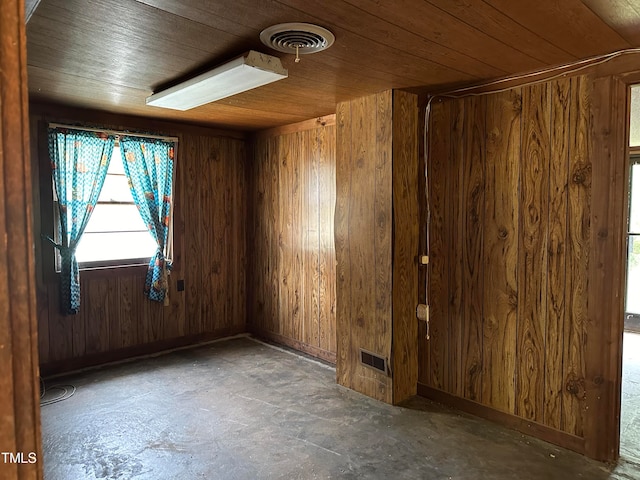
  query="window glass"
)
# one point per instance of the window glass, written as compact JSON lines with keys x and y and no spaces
{"x":115,"y":230}
{"x":634,"y":130}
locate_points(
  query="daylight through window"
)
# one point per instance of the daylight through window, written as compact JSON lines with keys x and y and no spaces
{"x":115,"y":231}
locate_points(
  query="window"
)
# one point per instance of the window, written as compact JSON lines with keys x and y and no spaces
{"x":116,"y":233}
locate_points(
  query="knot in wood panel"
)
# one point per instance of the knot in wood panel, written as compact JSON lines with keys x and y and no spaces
{"x":582,"y":174}
{"x":576,"y":386}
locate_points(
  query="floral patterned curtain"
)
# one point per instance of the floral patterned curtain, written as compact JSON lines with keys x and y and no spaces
{"x":79,"y":160}
{"x":148,"y":164}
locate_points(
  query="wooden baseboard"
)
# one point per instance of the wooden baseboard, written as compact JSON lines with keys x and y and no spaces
{"x":130,"y":353}
{"x":534,"y":429}
{"x":295,"y":344}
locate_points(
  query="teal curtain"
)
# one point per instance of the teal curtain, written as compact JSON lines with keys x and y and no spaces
{"x":79,"y":161}
{"x":148,"y":164}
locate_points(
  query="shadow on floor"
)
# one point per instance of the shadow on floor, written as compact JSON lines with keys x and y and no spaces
{"x":243,"y":410}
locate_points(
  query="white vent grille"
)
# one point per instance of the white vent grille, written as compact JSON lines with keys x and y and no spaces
{"x":302,"y":38}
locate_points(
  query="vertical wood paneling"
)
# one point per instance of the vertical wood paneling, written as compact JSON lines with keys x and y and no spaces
{"x":209,"y":254}
{"x":239,"y":211}
{"x":406,"y":236}
{"x":438,"y":344}
{"x":516,"y":187}
{"x":193,"y":238}
{"x":311,"y":149}
{"x":344,"y":197}
{"x":208,"y":300}
{"x":472,"y":278}
{"x":607,"y":253}
{"x":376,"y":243}
{"x":275,"y":260}
{"x":292,"y":296}
{"x":560,"y":92}
{"x":128,"y":287}
{"x":532,"y":261}
{"x":97,"y":309}
{"x":60,"y":330}
{"x":500,"y":282}
{"x":326,"y":139}
{"x":578,"y":235}
{"x":455,"y":234}
{"x":381,"y":249}
{"x":370,"y":306}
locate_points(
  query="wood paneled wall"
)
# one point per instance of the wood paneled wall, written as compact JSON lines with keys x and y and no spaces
{"x":115,"y":319}
{"x":376,"y":231}
{"x":510,"y":178}
{"x":291,"y":280}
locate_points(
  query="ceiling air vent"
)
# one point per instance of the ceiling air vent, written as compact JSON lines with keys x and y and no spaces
{"x":297,"y":38}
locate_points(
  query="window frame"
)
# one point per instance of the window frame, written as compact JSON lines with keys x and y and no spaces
{"x":97,"y":265}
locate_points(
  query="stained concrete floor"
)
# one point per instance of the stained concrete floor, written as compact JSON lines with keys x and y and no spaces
{"x":239,"y":409}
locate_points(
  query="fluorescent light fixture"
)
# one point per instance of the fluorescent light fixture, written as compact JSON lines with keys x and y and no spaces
{"x":251,"y":70}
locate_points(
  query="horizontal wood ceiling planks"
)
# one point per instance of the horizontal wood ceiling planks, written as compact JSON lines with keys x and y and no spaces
{"x":622,"y":15}
{"x":569,"y":24}
{"x":114,"y":54}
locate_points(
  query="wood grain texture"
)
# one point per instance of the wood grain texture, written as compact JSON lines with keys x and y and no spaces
{"x":355,"y":230}
{"x":451,"y":43}
{"x":377,"y":238}
{"x":473,"y":225}
{"x":209,"y":254}
{"x":437,"y":372}
{"x":342,"y":242}
{"x":19,"y":386}
{"x":607,"y":255}
{"x":381,"y":159}
{"x":621,"y":15}
{"x":571,"y":24}
{"x":533,"y":252}
{"x":327,"y":254}
{"x":527,"y":203}
{"x":406,"y":236}
{"x":500,"y":249}
{"x":370,"y":304}
{"x":579,"y":238}
{"x":560,"y":101}
{"x":455,"y":233}
{"x":292,"y":179}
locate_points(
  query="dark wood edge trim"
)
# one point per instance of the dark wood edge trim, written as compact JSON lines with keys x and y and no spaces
{"x":534,"y":429}
{"x":134,"y":352}
{"x":53,"y":112}
{"x":326,"y":121}
{"x":295,"y":344}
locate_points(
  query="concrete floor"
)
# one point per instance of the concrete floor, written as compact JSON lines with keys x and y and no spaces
{"x":239,"y":409}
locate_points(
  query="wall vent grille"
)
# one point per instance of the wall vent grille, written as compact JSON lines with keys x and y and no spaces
{"x":374,"y":361}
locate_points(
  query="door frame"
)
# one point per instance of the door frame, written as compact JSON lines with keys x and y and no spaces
{"x":19,"y":385}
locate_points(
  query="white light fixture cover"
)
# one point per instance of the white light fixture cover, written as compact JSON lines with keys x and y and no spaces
{"x":248,"y":71}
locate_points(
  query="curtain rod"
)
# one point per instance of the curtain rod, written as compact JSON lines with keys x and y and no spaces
{"x":113,"y":132}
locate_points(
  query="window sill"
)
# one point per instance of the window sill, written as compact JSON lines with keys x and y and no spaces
{"x":114,"y":270}
{"x":134,"y":262}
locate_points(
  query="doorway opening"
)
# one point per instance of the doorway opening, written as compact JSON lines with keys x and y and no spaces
{"x":630,"y":406}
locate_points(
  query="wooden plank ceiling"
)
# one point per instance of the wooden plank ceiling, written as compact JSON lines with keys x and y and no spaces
{"x":112,"y":54}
